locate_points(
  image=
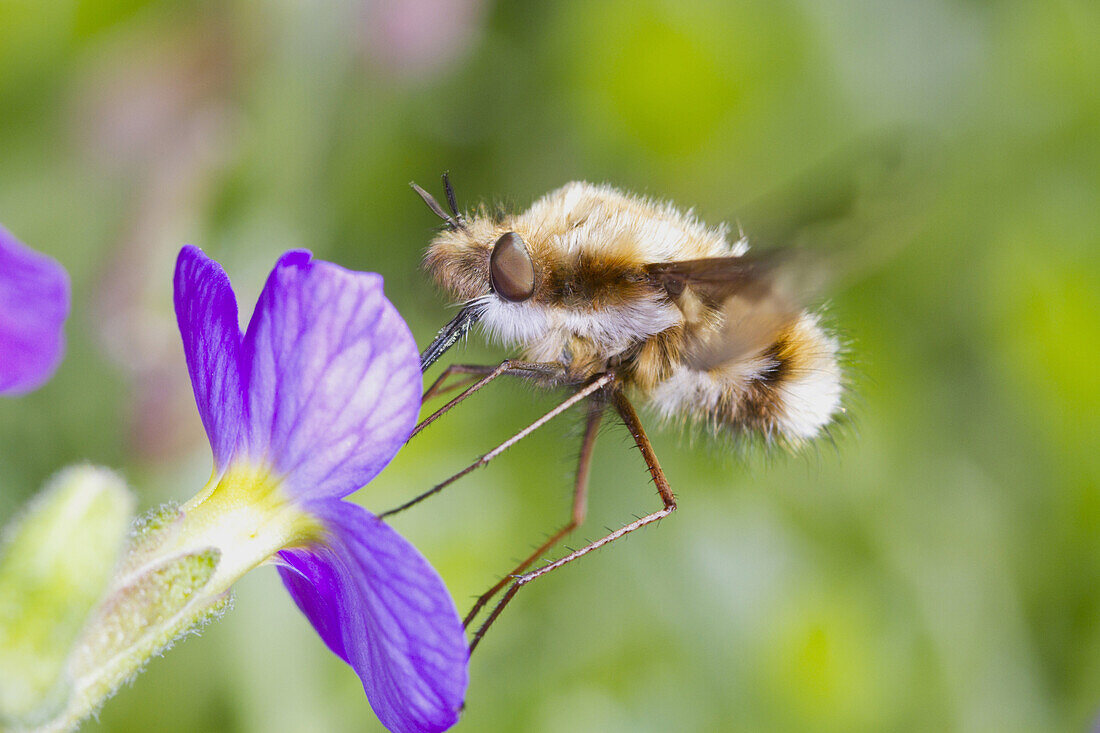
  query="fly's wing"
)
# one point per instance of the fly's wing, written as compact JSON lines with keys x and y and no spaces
{"x":857,"y":209}
{"x":755,"y":296}
{"x":843,"y":218}
{"x":716,"y":278}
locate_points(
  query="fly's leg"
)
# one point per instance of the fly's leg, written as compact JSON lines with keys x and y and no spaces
{"x":580,"y":506}
{"x":630,"y":418}
{"x":474,"y":372}
{"x":512,"y":367}
{"x":583,"y":393}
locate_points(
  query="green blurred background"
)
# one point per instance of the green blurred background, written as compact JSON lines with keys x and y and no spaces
{"x":936,"y":569}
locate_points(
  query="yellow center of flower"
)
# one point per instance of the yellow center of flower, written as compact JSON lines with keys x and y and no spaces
{"x":248,"y":516}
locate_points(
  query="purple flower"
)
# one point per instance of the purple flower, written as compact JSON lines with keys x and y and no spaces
{"x":304,"y":408}
{"x":34,"y":302}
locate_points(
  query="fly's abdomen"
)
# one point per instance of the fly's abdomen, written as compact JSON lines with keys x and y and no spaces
{"x":789,"y":391}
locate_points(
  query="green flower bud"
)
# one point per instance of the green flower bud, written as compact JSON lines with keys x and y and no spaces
{"x":57,"y":560}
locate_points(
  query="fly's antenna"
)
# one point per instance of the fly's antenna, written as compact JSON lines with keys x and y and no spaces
{"x":454,"y":220}
{"x":450,"y":191}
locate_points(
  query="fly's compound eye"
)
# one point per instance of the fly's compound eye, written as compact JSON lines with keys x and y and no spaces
{"x":511,"y":271}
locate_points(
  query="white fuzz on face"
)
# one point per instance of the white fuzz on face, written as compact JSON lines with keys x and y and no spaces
{"x":543,"y":332}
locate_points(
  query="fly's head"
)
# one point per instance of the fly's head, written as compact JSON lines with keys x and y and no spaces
{"x":487,"y":264}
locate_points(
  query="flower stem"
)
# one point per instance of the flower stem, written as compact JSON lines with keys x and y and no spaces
{"x":175,"y":578}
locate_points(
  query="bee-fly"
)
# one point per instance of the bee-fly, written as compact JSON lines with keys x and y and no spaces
{"x":616,"y":297}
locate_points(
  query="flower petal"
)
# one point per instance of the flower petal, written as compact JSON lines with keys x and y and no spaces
{"x":206,"y":311}
{"x":384,"y":610}
{"x":334,"y":380}
{"x":34,"y":302}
